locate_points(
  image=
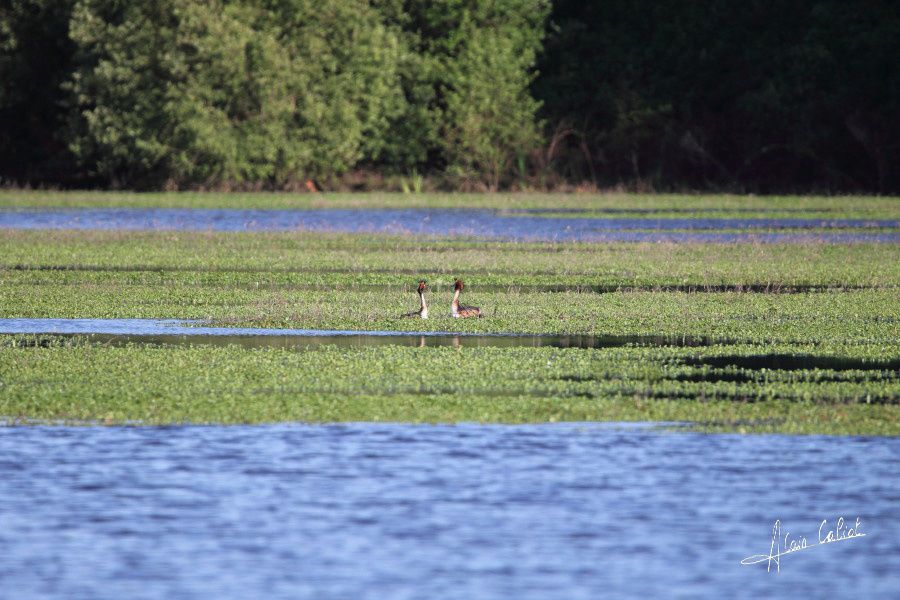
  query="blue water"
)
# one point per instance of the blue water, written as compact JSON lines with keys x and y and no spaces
{"x":183,"y":327}
{"x":452,"y":222}
{"x":400,"y":511}
{"x":185,"y":331}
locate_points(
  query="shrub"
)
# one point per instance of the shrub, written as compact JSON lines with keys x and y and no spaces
{"x":206,"y":93}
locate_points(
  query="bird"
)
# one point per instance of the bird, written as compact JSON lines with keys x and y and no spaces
{"x":423,"y":308}
{"x":462,"y":312}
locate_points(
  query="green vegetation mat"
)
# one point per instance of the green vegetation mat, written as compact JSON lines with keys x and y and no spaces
{"x":611,"y":205}
{"x":805,"y":337}
{"x":78,"y":380}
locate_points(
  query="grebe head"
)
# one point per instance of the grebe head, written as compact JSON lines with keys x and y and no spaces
{"x":458,"y":285}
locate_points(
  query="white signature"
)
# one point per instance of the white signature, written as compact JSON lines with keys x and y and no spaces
{"x":784,"y":544}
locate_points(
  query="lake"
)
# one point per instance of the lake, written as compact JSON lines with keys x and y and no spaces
{"x":487,"y":224}
{"x":469,"y":511}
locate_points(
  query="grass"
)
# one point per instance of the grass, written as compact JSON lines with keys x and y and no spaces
{"x":349,"y":282}
{"x":394,"y":260}
{"x":825,"y":302}
{"x":869,"y":316}
{"x":624,"y":205}
{"x":77,"y":380}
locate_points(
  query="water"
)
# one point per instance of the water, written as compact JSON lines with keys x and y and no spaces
{"x":658,"y":211}
{"x":476,"y":512}
{"x":181,"y":331}
{"x":795,"y":362}
{"x":449,"y":222}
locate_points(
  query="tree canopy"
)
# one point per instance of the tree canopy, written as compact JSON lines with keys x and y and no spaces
{"x":744,"y":96}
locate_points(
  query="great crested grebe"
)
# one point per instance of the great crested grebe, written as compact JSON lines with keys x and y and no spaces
{"x":461,"y":312}
{"x":423,"y":308}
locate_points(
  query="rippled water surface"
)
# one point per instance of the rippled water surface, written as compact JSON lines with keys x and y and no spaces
{"x":401,"y":511}
{"x":465,"y":222}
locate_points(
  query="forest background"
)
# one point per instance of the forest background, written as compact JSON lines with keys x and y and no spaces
{"x":719,"y":95}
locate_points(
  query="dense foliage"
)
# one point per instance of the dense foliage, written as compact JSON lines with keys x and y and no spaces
{"x":194,"y":92}
{"x":753,"y":95}
{"x":750,"y":96}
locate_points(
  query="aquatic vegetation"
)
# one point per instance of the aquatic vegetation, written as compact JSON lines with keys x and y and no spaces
{"x":49,"y":377}
{"x":563,"y":205}
{"x":236,"y":299}
{"x":805,"y":336}
{"x":333,"y":259}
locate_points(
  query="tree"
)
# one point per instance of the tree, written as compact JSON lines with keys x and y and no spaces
{"x":200,"y":93}
{"x":35,"y":58}
{"x":490,"y":114}
{"x":473,"y":113}
{"x":754,"y":95}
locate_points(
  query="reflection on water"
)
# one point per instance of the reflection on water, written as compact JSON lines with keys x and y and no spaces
{"x":795,"y":362}
{"x":175,"y":331}
{"x":451,"y":222}
{"x":658,"y":211}
{"x":475,"y":512}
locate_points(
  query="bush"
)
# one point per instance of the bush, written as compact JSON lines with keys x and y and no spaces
{"x":207,"y":93}
{"x":479,"y":58}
